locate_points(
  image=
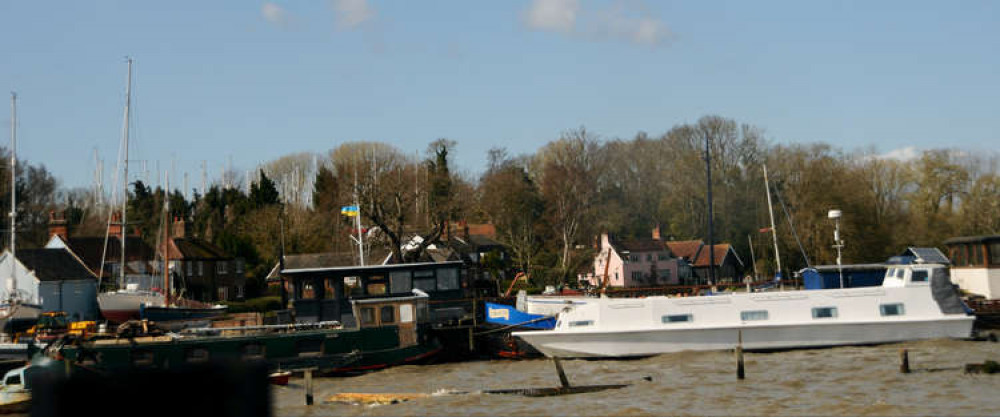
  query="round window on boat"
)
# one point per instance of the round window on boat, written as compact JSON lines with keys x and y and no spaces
{"x":196,"y":355}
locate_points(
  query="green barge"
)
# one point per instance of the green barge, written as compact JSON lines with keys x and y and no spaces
{"x":390,"y":331}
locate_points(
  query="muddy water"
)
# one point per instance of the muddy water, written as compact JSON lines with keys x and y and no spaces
{"x":838,"y":381}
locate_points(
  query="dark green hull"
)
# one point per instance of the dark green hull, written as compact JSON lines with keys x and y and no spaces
{"x":323,"y":350}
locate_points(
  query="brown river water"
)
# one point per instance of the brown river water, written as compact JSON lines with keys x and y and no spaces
{"x":836,"y":381}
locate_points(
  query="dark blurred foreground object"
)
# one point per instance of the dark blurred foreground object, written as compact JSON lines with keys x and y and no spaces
{"x":211,"y":389}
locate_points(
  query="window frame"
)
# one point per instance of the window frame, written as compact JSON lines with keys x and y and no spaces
{"x":671,"y":318}
{"x":884,"y":310}
{"x":831,"y":309}
{"x":754,"y":315}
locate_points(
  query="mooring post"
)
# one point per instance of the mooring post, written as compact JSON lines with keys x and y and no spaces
{"x":562,"y":374}
{"x":740,"y":373}
{"x":904,"y":361}
{"x":309,"y":387}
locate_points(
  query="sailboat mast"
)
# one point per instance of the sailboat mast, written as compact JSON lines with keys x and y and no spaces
{"x":128,"y":104}
{"x":166,"y":242}
{"x":13,"y":187}
{"x":774,"y":232}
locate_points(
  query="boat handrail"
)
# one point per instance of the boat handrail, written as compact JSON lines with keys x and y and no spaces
{"x":294,"y":326}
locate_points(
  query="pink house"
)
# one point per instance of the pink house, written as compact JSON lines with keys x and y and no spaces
{"x":633,"y":263}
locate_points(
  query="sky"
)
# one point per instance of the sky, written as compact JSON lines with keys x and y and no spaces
{"x":249,"y":82}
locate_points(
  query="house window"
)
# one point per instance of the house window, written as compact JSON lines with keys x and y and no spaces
{"x":824,"y":312}
{"x":387,"y":314}
{"x":239,"y":291}
{"x":201,"y":268}
{"x":677,"y":318}
{"x":958,"y":255}
{"x":352,"y":286}
{"x":919,"y":275}
{"x":891,"y":309}
{"x":220,"y":267}
{"x":224,"y":293}
{"x":239,"y":266}
{"x":649,"y":257}
{"x":661,"y":257}
{"x":637,"y":275}
{"x":190,"y":268}
{"x":400,"y":282}
{"x":664,"y":274}
{"x":634,"y":258}
{"x":753,"y":315}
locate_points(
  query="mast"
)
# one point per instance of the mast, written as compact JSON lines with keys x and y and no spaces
{"x":774,"y":231}
{"x":166,"y":242}
{"x":128,"y":104}
{"x":13,"y":189}
{"x":711,"y":238}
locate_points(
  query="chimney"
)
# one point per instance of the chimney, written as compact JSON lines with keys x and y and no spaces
{"x":115,"y":227}
{"x":180,"y":228}
{"x":656,"y":232}
{"x":57,"y":225}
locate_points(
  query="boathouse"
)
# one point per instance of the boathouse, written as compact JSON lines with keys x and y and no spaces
{"x":976,"y":264}
{"x":320,"y":286}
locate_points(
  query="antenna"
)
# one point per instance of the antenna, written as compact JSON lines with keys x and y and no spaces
{"x":837,"y":243}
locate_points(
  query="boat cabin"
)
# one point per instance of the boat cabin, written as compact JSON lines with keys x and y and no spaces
{"x":326,"y":293}
{"x":976,"y":264}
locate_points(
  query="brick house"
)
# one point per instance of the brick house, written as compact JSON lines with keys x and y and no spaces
{"x":633,"y":263}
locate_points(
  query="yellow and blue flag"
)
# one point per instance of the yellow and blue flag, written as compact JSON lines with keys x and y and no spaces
{"x":349,"y":211}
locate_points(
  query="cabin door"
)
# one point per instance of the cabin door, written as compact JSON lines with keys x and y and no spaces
{"x":407,"y":325}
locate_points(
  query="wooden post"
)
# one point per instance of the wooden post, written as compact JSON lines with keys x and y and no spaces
{"x":472,"y":342}
{"x":309,"y":387}
{"x":904,"y":361}
{"x":740,"y":372}
{"x":562,"y":374}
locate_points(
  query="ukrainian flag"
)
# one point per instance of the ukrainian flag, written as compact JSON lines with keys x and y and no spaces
{"x":349,"y":211}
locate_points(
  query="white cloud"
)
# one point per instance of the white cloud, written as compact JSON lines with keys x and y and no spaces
{"x":627,"y":21}
{"x":352,"y":13}
{"x":906,"y":154}
{"x":275,"y":14}
{"x":552,"y":15}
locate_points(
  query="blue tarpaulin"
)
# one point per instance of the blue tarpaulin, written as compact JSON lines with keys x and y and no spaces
{"x":509,"y":316}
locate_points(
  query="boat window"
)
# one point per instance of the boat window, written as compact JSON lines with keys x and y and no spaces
{"x":890,"y":273}
{"x":581,"y":323}
{"x":367,"y":316}
{"x":352,"y":286}
{"x":309,"y":347}
{"x":141,"y":357}
{"x":448,"y":279}
{"x":677,"y":318}
{"x":919,"y":275}
{"x":976,"y":257}
{"x":329,"y":288}
{"x":376,"y":288}
{"x":308,"y":292}
{"x":196,"y":355}
{"x":387,"y":314}
{"x":425,"y":284}
{"x":958,"y":255}
{"x":253,"y":351}
{"x":400,"y":282}
{"x":824,"y":312}
{"x":994,"y":253}
{"x":405,"y":313}
{"x":891,"y":309}
{"x":12,"y":380}
{"x":753,"y":315}
{"x":899,"y":273}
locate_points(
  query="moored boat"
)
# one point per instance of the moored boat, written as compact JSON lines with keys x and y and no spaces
{"x":918,"y":302}
{"x":390,"y":332}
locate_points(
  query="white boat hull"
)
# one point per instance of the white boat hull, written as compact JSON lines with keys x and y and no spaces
{"x":901,"y":310}
{"x":638,"y":343}
{"x":122,"y":306}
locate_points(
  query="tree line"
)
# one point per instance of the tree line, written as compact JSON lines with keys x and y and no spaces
{"x":548,"y":207}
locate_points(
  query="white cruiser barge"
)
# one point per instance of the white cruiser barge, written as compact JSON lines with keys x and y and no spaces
{"x":914,"y":302}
